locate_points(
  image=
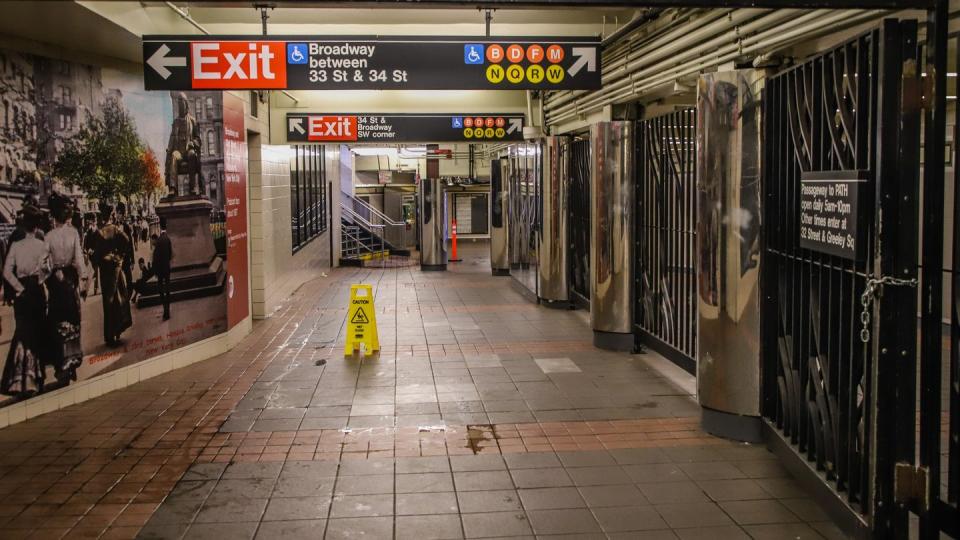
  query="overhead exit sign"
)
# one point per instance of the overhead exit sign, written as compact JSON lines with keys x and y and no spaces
{"x":393,"y":127}
{"x":366,"y":62}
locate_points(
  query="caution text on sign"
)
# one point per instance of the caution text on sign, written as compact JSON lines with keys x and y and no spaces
{"x":361,"y":322}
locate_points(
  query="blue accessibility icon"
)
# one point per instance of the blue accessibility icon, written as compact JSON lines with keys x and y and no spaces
{"x":296,"y":53}
{"x":473,"y":53}
{"x":457,"y":122}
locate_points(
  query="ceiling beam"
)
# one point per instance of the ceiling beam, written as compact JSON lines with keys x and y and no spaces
{"x":507,"y":4}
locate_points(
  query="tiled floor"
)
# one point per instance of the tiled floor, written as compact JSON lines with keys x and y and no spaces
{"x":483,"y":416}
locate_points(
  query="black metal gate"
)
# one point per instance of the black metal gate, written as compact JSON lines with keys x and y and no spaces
{"x":928,"y":481}
{"x":839,"y":326}
{"x":579,"y":221}
{"x":308,"y":193}
{"x":665,"y":313}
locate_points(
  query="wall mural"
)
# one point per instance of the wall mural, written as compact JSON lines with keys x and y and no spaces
{"x":114,"y":226}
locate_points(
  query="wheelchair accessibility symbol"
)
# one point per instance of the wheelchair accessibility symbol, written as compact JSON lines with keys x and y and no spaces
{"x":473,"y":53}
{"x":296,"y":53}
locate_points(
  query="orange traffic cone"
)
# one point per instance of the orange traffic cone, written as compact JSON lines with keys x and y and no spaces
{"x":453,"y":242}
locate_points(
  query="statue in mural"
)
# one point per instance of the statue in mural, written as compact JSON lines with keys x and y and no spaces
{"x":183,"y":149}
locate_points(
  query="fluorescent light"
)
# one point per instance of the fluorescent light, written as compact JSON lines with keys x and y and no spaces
{"x":374,"y":151}
{"x":413,"y":152}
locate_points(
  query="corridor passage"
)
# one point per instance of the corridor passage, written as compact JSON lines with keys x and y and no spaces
{"x":484,"y":416}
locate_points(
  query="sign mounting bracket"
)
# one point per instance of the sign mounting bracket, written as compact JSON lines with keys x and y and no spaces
{"x":263,"y":7}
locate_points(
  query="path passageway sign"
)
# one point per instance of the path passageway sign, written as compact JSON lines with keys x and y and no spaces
{"x":361,"y":322}
{"x":370,"y":62}
{"x":393,"y":127}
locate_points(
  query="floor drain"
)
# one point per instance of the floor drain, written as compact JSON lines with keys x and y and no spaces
{"x":321,"y":362}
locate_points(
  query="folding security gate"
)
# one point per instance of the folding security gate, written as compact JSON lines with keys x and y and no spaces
{"x":817,"y":384}
{"x":579,"y":221}
{"x":930,"y":480}
{"x":839,"y":329}
{"x":665,"y":313}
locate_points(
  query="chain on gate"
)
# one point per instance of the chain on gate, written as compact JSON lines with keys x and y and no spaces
{"x":871,"y":291}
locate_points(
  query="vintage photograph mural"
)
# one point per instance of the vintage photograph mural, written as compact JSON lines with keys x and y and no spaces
{"x":114,"y":235}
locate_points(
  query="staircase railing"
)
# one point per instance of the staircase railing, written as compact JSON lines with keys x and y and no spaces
{"x":353,"y":243}
{"x":314,"y":216}
{"x":395,"y":232}
{"x":372,"y":213}
{"x":354,"y":246}
{"x":398,"y":233}
{"x":350,"y":241}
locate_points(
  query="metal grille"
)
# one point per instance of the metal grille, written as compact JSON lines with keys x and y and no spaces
{"x":819,"y":116}
{"x":842,"y":377}
{"x":937,"y":416}
{"x":524,"y":193}
{"x":308,"y":194}
{"x":579,"y":220}
{"x":665,"y":312}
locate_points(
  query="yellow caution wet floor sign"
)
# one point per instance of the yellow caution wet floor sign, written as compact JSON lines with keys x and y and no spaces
{"x":361,"y":322}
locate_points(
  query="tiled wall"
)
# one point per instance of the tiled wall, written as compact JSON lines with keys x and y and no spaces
{"x":276,"y":271}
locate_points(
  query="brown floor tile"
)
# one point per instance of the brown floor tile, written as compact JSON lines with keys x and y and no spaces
{"x":454,"y":395}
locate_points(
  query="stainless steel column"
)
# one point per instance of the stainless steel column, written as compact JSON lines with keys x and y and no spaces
{"x":499,"y":218}
{"x":552,"y":270}
{"x":433,"y":226}
{"x":611,"y":230}
{"x":728,"y":252}
{"x":512,"y":173}
{"x":524,"y":192}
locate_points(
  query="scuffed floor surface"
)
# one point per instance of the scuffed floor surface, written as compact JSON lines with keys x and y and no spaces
{"x":483,"y":416}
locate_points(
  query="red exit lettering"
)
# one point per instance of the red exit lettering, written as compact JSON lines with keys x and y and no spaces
{"x":238,"y":64}
{"x":332,"y":128}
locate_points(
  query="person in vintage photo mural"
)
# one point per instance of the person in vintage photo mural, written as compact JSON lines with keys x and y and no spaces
{"x":110,"y":253}
{"x":89,"y":241}
{"x":122,"y":220}
{"x":160,"y":265}
{"x":26,"y":267}
{"x":65,"y":287}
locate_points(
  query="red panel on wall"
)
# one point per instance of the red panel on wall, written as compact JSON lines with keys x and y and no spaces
{"x":235,"y":180}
